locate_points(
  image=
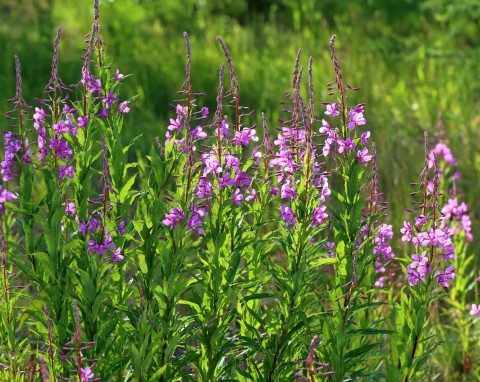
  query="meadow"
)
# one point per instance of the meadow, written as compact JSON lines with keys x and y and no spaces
{"x":293,"y":200}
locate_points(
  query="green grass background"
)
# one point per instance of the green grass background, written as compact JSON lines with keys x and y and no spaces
{"x":411,"y":59}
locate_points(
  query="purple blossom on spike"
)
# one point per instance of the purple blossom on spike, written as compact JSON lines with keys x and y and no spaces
{"x":117,"y":256}
{"x":5,"y":196}
{"x":237,"y":197}
{"x":475,"y":310}
{"x":320,"y":215}
{"x":242,"y":179}
{"x":175,"y":216}
{"x":332,"y":110}
{"x":288,"y":216}
{"x":225,"y":180}
{"x":198,"y":133}
{"x":93,"y":225}
{"x":175,"y":125}
{"x":364,"y":137}
{"x":251,"y":195}
{"x":441,"y":149}
{"x":363,"y":156}
{"x":66,"y":171}
{"x":103,"y":113}
{"x":346,"y":145}
{"x":244,"y":137}
{"x":86,"y":374}
{"x":356,"y":118}
{"x":119,"y":76}
{"x":204,"y":188}
{"x":82,"y":121}
{"x":195,"y":221}
{"x":444,"y":278}
{"x":123,"y":108}
{"x":109,"y":99}
{"x":121,"y":228}
{"x":70,"y":209}
{"x":287,"y":192}
{"x":212,"y":165}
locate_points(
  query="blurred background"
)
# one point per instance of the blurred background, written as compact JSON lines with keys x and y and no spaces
{"x":412,"y":60}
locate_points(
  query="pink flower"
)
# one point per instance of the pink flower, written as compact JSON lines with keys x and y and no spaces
{"x":332,"y":110}
{"x":86,"y":373}
{"x":117,"y":256}
{"x":123,"y":108}
{"x":475,"y":311}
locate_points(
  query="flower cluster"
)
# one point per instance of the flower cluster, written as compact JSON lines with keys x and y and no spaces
{"x":383,"y":251}
{"x":333,"y":140}
{"x":428,"y":242}
{"x":429,"y":234}
{"x":5,"y":196}
{"x":12,"y":145}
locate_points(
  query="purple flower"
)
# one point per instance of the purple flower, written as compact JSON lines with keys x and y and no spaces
{"x":444,"y":278}
{"x":212,"y":165}
{"x":363,"y":156}
{"x":60,"y":148}
{"x":319,"y":215}
{"x":346,"y":145}
{"x":244,"y":137}
{"x":364,"y":137}
{"x":242,"y":179}
{"x":117,"y":256}
{"x":198,"y":133}
{"x":5,"y":196}
{"x":121,"y":228}
{"x":418,"y":269}
{"x":420,"y":220}
{"x":70,"y":209}
{"x":231,"y":161}
{"x":356,"y":118}
{"x":103,"y":113}
{"x":119,"y":76}
{"x":175,"y":216}
{"x":66,"y":171}
{"x":475,"y":311}
{"x":93,"y":225}
{"x":288,"y":216}
{"x":225,"y":181}
{"x":443,"y":150}
{"x":83,"y":228}
{"x":92,"y":246}
{"x":109,"y":99}
{"x":181,"y":111}
{"x":82,"y":121}
{"x":68,"y":110}
{"x":325,"y":129}
{"x":123,"y":108}
{"x":204,"y":112}
{"x":332,"y":110}
{"x":86,"y":373}
{"x":251,"y":195}
{"x":204,"y":188}
{"x":237,"y":197}
{"x":288,"y":192}
{"x":195,"y":221}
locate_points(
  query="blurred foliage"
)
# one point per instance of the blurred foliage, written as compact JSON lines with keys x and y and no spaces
{"x":412,"y":59}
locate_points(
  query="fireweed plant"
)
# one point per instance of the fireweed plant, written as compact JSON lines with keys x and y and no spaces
{"x":458,"y":317}
{"x":229,"y":252}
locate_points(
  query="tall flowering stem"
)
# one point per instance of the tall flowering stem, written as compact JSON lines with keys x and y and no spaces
{"x":459,"y":303}
{"x":353,"y":239}
{"x":428,"y":273}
